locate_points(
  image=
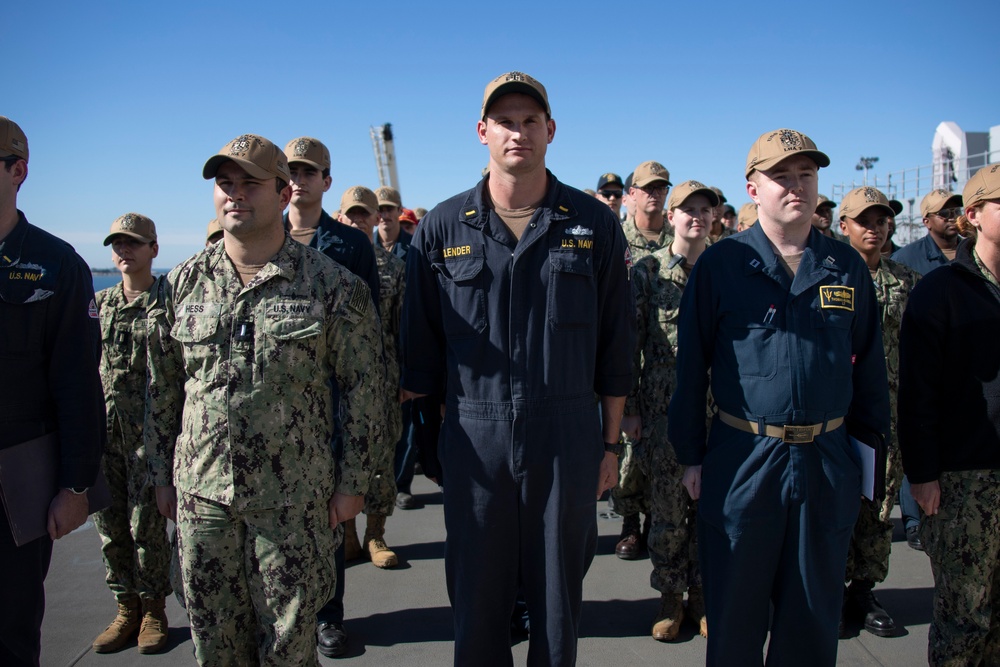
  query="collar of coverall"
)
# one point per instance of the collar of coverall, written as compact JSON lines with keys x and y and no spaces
{"x":760,"y":257}
{"x":557,"y":200}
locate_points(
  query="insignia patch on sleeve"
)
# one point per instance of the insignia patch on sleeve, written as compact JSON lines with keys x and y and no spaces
{"x":92,"y":310}
{"x":836,"y":296}
{"x":360,"y":298}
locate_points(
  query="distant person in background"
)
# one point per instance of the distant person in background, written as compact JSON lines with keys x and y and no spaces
{"x":360,"y":208}
{"x":408,"y":221}
{"x":864,"y":221}
{"x":718,"y":229}
{"x":747,"y":217}
{"x":133,"y":532}
{"x":610,"y":189}
{"x":939,"y":209}
{"x":729,"y":217}
{"x":50,"y":345}
{"x":823,"y":217}
{"x":389,"y":234}
{"x":646,"y":233}
{"x":890,"y":247}
{"x":214,"y":232}
{"x":949,"y":431}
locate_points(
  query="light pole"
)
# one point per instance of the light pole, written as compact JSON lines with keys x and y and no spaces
{"x":864,"y":164}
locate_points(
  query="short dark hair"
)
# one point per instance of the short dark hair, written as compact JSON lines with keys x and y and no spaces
{"x":279,"y":185}
{"x":326,"y":173}
{"x":9,"y":162}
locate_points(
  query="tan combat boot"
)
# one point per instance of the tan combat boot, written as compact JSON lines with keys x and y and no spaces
{"x":123,"y":629}
{"x":696,"y":609}
{"x":153,"y":632}
{"x":381,"y":555}
{"x":667,"y":623}
{"x":352,"y":548}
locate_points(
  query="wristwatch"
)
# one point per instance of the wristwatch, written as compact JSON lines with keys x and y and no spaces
{"x":77,"y":490}
{"x":616,"y":448}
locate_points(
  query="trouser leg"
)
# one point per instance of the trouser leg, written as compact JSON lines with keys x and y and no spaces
{"x":22,"y":596}
{"x":558,"y":529}
{"x":482,"y":544}
{"x":963,"y":543}
{"x":290,"y":572}
{"x":213,"y":567}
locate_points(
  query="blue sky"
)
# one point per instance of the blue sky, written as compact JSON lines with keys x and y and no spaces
{"x":123,"y":102}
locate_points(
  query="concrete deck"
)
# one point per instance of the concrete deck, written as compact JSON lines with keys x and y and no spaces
{"x":402,"y":616}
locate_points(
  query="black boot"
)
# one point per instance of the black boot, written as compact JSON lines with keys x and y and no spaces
{"x":629,"y":546}
{"x":864,"y":606}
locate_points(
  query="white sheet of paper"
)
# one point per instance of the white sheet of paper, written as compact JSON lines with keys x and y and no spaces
{"x":867,"y":456}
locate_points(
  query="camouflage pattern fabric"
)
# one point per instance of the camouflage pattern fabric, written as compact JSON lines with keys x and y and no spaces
{"x":871,"y":543}
{"x":657,"y":300}
{"x":672,"y":544}
{"x":132,"y":530}
{"x":240,"y":420}
{"x":255,"y":579}
{"x":240,"y":407}
{"x":637,"y":243}
{"x":381,"y":496}
{"x":963,"y":542}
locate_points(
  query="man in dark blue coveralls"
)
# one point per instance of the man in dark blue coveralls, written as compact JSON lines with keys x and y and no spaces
{"x":518,"y":307}
{"x":786,"y":320}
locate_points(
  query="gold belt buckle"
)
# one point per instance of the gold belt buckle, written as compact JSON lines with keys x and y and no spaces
{"x":798,"y":435}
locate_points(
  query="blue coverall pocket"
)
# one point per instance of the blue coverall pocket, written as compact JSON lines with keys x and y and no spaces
{"x":572,"y":294}
{"x":463,"y":307}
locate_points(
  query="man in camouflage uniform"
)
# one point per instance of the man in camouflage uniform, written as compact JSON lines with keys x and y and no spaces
{"x":251,"y":336}
{"x":658,"y":283}
{"x":864,"y":221}
{"x":133,"y":533}
{"x":645,"y":233}
{"x":359,"y":207}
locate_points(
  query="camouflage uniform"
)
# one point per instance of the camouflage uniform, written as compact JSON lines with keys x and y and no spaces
{"x":868,"y":556}
{"x":133,"y":532}
{"x":240,"y":421}
{"x":964,"y":628}
{"x":631,"y":496}
{"x":381,"y":496}
{"x":672,"y":539}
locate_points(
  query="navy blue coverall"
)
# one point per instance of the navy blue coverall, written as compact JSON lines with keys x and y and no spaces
{"x":50,"y":349}
{"x":520,"y":335}
{"x":774,"y":518}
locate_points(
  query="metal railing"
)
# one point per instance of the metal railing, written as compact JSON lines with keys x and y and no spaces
{"x":909,"y":186}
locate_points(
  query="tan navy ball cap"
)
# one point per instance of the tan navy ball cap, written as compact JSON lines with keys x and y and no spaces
{"x":213,"y":228}
{"x":308,"y":150}
{"x":935,"y":200}
{"x":361,"y":196}
{"x":515,"y":82}
{"x":822,"y":201}
{"x":135,"y":225}
{"x":256,"y":155}
{"x":722,"y":197}
{"x":747,"y":214}
{"x":859,"y":200}
{"x":896,"y":206}
{"x":680,"y":194}
{"x":388,"y":197}
{"x":12,"y":139}
{"x":650,"y":172}
{"x":773,"y":147}
{"x":983,"y":186}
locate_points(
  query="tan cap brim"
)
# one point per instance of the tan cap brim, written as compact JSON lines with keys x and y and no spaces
{"x":308,"y":162}
{"x":212,"y":167}
{"x":820,"y":158}
{"x":107,"y":241}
